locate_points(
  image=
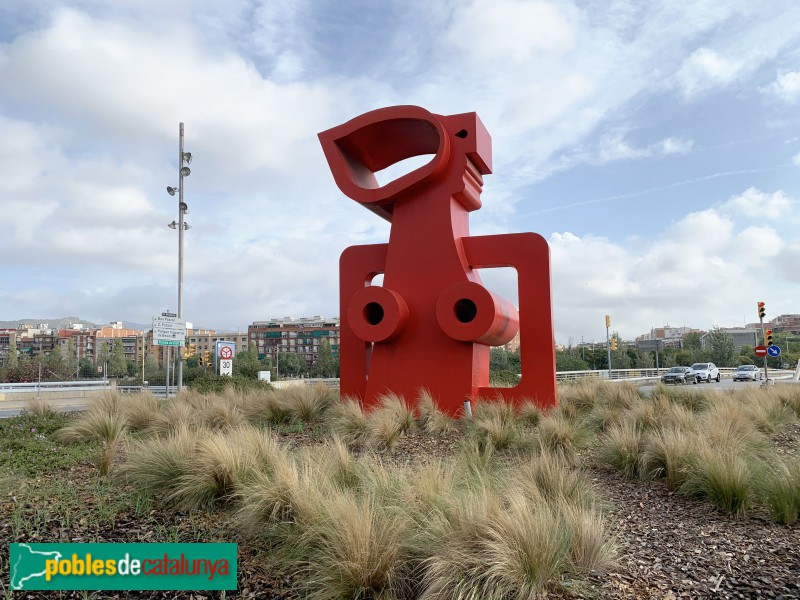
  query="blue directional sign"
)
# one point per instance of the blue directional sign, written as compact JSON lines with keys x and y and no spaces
{"x":774,"y":350}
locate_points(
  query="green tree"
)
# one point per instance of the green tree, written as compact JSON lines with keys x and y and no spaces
{"x":70,"y":357}
{"x":247,"y":364}
{"x":11,"y":356}
{"x":290,"y":364}
{"x":722,"y":349}
{"x":87,"y":370}
{"x":54,"y":365}
{"x":691,"y":341}
{"x":103,"y":355}
{"x":567,"y":362}
{"x":325,"y":365}
{"x":117,"y":363}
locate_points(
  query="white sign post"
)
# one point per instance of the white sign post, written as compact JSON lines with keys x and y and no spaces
{"x":169,"y":330}
{"x":226,"y":361}
{"x":226,"y":367}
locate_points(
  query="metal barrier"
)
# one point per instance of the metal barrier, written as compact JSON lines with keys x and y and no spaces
{"x":55,"y":386}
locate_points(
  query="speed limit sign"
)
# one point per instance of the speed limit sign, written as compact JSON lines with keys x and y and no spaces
{"x":226,"y":366}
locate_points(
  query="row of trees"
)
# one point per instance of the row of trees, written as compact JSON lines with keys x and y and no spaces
{"x":720,"y":349}
{"x":65,"y":366}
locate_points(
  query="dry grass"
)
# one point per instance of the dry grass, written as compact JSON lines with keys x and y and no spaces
{"x":668,"y":453}
{"x":723,"y":478}
{"x":155,"y":465}
{"x":496,"y":425}
{"x":560,"y":435}
{"x":621,"y":447}
{"x":779,"y":490}
{"x":388,"y":421}
{"x":141,"y":410}
{"x":431,"y":418}
{"x":348,"y":421}
{"x":309,"y":403}
{"x":356,"y":549}
{"x":38,"y":407}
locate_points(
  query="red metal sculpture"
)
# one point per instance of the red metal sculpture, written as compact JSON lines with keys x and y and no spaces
{"x":431,"y":324}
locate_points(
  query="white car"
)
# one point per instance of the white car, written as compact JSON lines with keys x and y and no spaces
{"x":707,"y":372}
{"x":747,"y":373}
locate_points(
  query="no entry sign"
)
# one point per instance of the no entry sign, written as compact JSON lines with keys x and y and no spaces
{"x":761,"y":350}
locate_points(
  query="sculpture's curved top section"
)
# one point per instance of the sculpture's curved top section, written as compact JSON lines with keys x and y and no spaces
{"x":371,"y":142}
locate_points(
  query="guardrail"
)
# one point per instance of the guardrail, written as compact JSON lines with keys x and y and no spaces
{"x":54,"y":386}
{"x":648,"y":374}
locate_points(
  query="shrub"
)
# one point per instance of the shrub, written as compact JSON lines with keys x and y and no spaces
{"x":724,"y":478}
{"x":560,"y":435}
{"x":620,"y":447}
{"x":355,"y":550}
{"x":492,"y":553}
{"x":348,"y":421}
{"x":591,"y":549}
{"x":668,"y":453}
{"x":155,"y":465}
{"x":779,"y":489}
{"x":221,"y":462}
{"x":309,"y":403}
{"x":221,"y":412}
{"x":495,"y":424}
{"x":528,"y":412}
{"x":38,"y":407}
{"x":547,"y":476}
{"x":142,"y":410}
{"x":431,"y":419}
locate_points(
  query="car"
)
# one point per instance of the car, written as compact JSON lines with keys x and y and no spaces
{"x":747,"y":373}
{"x":706,"y":372}
{"x":678,"y":375}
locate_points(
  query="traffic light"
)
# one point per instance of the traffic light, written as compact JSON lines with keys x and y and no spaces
{"x":762,"y":311}
{"x":614,"y":343}
{"x":189,"y":351}
{"x":768,"y":337}
{"x":192,"y":349}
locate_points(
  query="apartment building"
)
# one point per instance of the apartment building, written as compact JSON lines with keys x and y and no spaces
{"x":301,"y":336}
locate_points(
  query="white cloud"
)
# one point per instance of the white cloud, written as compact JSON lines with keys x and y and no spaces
{"x":786,"y":87}
{"x":710,"y":262}
{"x":754,"y":203}
{"x":796,"y":159}
{"x":706,"y":69}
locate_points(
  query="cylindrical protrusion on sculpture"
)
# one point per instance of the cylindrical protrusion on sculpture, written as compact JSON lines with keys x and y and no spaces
{"x":377,"y":314}
{"x":468,"y":312}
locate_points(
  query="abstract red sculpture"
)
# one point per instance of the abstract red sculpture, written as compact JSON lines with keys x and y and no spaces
{"x":431,"y":324}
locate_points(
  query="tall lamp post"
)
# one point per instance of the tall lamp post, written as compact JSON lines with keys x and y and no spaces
{"x":184,"y":159}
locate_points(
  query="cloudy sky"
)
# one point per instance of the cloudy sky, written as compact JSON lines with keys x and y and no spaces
{"x":654,"y":144}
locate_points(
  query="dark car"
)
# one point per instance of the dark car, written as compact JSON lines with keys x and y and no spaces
{"x":678,"y":375}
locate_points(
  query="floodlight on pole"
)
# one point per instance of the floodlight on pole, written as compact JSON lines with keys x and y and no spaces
{"x":184,"y":158}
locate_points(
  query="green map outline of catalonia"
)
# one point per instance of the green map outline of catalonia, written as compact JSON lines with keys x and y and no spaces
{"x":15,"y":574}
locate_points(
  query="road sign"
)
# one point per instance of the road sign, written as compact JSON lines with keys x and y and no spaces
{"x":168,"y":330}
{"x":761,"y":350}
{"x":226,"y":367}
{"x":774,"y":351}
{"x":225,"y":353}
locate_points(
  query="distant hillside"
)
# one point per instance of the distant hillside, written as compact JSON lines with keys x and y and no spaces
{"x":68,"y":322}
{"x":52,"y":322}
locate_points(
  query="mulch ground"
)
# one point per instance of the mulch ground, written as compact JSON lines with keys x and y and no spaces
{"x":670,"y":546}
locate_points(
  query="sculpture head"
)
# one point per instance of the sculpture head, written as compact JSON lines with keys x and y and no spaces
{"x":371,"y":142}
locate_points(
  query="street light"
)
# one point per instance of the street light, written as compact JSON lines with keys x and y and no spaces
{"x":184,"y":158}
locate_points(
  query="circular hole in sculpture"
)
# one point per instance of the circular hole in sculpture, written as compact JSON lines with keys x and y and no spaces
{"x":373,"y":313}
{"x":465,"y":310}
